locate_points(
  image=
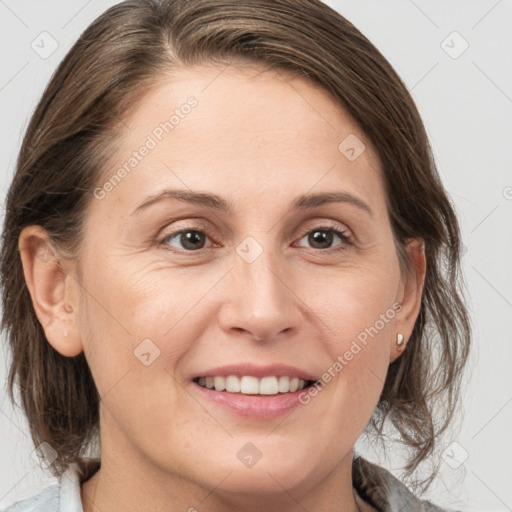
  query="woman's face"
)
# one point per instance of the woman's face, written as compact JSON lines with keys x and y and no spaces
{"x":172,"y":289}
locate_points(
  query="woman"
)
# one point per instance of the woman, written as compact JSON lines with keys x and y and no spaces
{"x":226,"y":255}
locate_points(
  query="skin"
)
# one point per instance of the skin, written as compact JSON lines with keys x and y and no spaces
{"x":258,"y":138}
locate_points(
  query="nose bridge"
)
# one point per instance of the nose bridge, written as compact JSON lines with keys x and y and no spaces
{"x":260,"y":300}
{"x":258,"y":272}
{"x":264,"y":286}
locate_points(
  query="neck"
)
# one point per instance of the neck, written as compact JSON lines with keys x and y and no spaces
{"x":124,"y":490}
{"x":130,"y":481}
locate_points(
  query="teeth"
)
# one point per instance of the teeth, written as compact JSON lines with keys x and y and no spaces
{"x":232,"y":384}
{"x":249,"y":385}
{"x":219,"y":383}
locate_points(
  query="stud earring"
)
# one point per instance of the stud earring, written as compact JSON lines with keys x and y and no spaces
{"x":400,"y":342}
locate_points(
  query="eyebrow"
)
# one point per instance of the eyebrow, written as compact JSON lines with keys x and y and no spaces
{"x":303,"y":202}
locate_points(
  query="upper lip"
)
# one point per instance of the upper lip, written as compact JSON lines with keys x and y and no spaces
{"x":242,"y":369}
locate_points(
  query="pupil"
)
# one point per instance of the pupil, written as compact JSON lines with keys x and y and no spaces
{"x":321,"y":237}
{"x":190,"y":238}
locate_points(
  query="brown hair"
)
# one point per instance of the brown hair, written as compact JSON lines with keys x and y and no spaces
{"x":117,"y":59}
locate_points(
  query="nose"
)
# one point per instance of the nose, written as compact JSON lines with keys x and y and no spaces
{"x":259,"y":299}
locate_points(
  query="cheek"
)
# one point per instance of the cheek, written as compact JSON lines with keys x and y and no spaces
{"x":358,"y":303}
{"x":135,"y":314}
{"x":358,"y":312}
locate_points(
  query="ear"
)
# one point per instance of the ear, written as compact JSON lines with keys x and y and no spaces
{"x":410,"y":294}
{"x":52,"y":288}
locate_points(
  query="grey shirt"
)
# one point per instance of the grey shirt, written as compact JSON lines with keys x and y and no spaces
{"x":374,"y":484}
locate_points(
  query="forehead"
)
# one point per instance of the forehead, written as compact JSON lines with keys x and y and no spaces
{"x":240,"y":126}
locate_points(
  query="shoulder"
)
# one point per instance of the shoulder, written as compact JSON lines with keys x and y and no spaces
{"x":385,"y":492}
{"x":47,"y":499}
{"x":61,"y":497}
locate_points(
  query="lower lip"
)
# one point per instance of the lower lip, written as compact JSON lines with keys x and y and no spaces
{"x":253,"y":406}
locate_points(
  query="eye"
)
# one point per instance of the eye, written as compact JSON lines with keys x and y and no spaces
{"x":190,"y":239}
{"x":322,"y":238}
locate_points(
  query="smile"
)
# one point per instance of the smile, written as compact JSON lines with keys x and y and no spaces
{"x":249,"y":385}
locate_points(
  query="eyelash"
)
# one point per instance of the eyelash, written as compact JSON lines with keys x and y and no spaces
{"x":343,"y":235}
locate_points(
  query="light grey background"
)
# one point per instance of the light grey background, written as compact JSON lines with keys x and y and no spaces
{"x":466,"y":103}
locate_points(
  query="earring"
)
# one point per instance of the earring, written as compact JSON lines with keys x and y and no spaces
{"x":400,"y":342}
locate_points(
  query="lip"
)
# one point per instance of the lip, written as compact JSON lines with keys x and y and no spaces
{"x":252,"y":406}
{"x":242,"y":369}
